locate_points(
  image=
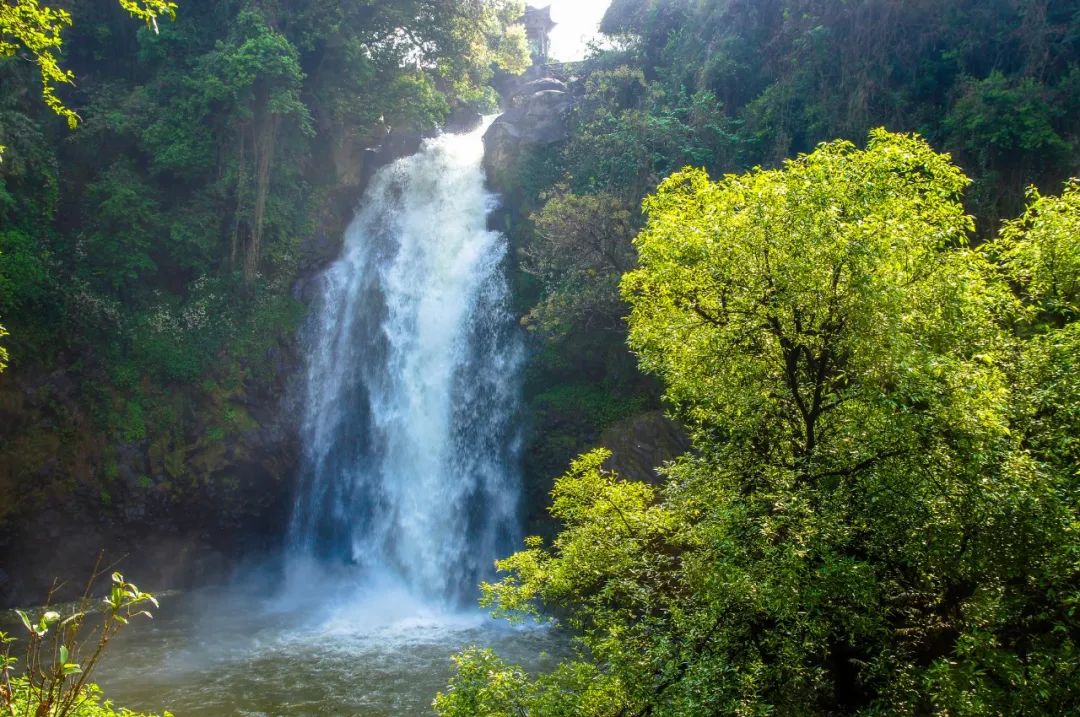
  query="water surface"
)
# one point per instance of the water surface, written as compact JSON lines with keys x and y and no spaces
{"x":377,"y":653}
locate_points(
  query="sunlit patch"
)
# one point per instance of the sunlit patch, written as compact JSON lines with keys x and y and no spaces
{"x":577,"y":24}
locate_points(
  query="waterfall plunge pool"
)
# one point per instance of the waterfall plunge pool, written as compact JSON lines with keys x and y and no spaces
{"x":409,"y":484}
{"x":408,"y":490}
{"x":334,"y":648}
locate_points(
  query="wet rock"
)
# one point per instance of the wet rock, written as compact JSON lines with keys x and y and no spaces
{"x":641,"y":444}
{"x":463,"y":120}
{"x":398,"y":145}
{"x":355,"y":161}
{"x":538,"y":116}
{"x":544,"y":84}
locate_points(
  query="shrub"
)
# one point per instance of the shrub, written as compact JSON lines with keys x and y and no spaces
{"x":63,"y":646}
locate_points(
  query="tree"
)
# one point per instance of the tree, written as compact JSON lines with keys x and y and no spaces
{"x":863,"y":527}
{"x":37,"y":29}
{"x":581,"y":249}
{"x":773,"y":302}
{"x":1040,"y":252}
{"x":24,"y":24}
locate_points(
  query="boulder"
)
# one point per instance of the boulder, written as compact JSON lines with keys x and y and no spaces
{"x":538,"y":116}
{"x":529,"y":89}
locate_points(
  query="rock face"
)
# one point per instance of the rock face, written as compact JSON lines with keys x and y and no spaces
{"x":641,"y":444}
{"x":354,"y":162}
{"x":178,"y":506}
{"x":538,"y":116}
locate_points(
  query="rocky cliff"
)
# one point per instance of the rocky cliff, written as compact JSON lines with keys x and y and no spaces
{"x":537,"y":116}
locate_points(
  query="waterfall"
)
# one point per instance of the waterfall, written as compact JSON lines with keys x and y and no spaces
{"x":409,"y":465}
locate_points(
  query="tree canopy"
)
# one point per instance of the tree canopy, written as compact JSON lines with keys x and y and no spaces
{"x":879,"y":513}
{"x":37,"y":29}
{"x":729,"y":85}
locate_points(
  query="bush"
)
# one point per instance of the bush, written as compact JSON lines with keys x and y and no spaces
{"x":63,"y":646}
{"x":90,"y":702}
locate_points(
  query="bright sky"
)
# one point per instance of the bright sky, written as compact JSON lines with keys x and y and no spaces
{"x":577,"y":21}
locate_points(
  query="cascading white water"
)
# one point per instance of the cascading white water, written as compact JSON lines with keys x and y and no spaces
{"x":409,"y":467}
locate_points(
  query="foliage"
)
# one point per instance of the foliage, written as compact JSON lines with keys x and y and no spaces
{"x":880,"y":513}
{"x":482,"y":36}
{"x":729,"y":85}
{"x":1040,"y":252}
{"x":125,"y":218}
{"x":582,"y":244}
{"x":24,"y":24}
{"x":27,"y":25}
{"x":91,"y":703}
{"x":1000,"y":117}
{"x":630,"y":133}
{"x":24,"y":273}
{"x":55,"y":675}
{"x":580,"y":210}
{"x":484,"y":684}
{"x":822,"y":253}
{"x":599,"y":407}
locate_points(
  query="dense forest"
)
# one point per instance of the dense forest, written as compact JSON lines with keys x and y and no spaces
{"x":832,"y":246}
{"x":727,"y":86}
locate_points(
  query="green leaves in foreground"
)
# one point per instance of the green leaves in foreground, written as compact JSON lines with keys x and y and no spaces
{"x":880,"y":513}
{"x":1040,"y":252}
{"x":62,"y":648}
{"x":91,"y":702}
{"x":26,"y":25}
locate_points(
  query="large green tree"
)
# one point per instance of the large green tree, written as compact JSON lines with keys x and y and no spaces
{"x":732,"y":84}
{"x":867,"y":524}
